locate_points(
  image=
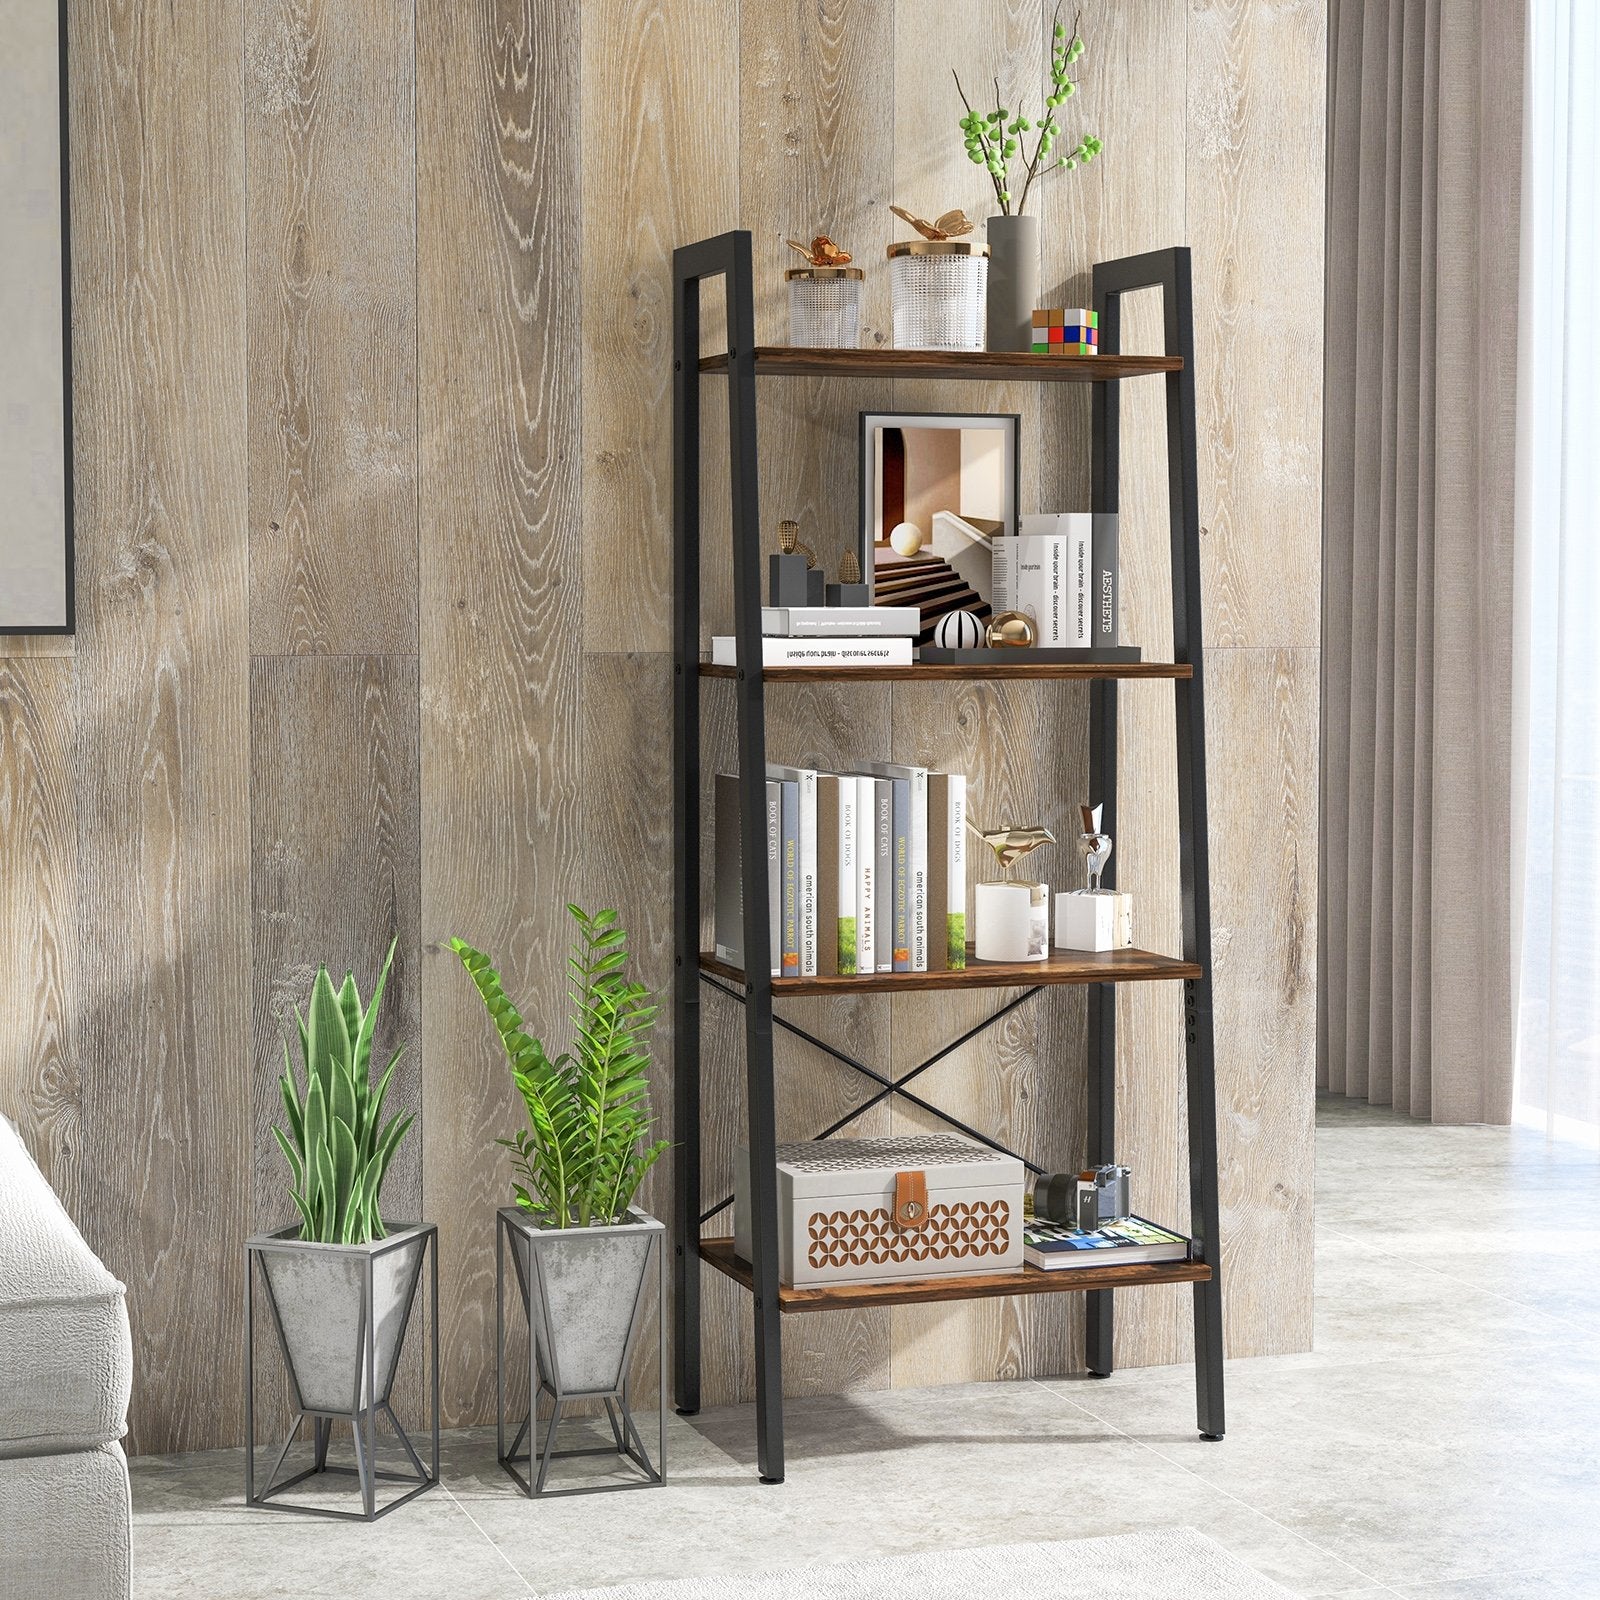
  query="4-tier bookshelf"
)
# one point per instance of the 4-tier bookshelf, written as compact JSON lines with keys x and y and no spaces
{"x":728,"y":256}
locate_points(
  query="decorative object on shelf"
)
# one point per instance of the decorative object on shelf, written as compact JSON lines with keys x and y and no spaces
{"x":793,"y":576}
{"x":1013,"y":919}
{"x":954,"y":479}
{"x":341,"y":1283}
{"x":582,"y":1252}
{"x":905,"y":539}
{"x":1060,"y":332}
{"x":849,"y":590}
{"x":923,"y":1205}
{"x":959,"y":630}
{"x":952,"y":225}
{"x":1012,"y":630}
{"x":1102,"y":1198}
{"x":1094,"y":918}
{"x":824,"y":297}
{"x":937,"y":285}
{"x":997,"y":140}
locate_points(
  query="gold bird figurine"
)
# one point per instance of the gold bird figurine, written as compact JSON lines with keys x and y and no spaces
{"x":1010,"y":844}
{"x":822,"y":252}
{"x":949,"y":226}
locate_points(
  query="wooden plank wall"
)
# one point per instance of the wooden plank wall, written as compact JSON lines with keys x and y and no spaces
{"x":374,"y":555}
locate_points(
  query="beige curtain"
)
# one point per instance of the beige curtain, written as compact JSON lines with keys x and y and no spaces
{"x":1424,"y":142}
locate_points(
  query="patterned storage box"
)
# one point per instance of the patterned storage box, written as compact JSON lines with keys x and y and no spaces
{"x":925,"y":1205}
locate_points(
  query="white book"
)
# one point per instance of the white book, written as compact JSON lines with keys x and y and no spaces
{"x":833,"y":622}
{"x":806,"y":779}
{"x":916,"y":854}
{"x":866,"y":875}
{"x":1045,"y":571}
{"x":777,"y":652}
{"x":849,"y":929}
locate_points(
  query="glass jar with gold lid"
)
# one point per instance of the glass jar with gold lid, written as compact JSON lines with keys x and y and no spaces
{"x":938,"y":288}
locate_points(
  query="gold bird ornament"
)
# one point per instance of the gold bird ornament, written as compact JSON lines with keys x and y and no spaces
{"x":821,"y":252}
{"x":1010,"y":844}
{"x":949,"y":226}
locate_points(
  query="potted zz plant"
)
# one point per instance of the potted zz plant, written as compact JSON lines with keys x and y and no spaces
{"x":341,"y":1280}
{"x":582,"y":1250}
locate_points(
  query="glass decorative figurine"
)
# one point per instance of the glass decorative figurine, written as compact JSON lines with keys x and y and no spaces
{"x":1094,"y":918}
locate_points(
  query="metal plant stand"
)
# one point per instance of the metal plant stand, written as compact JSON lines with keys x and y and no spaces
{"x":728,"y":257}
{"x":533,"y":1445}
{"x":365,"y":1404}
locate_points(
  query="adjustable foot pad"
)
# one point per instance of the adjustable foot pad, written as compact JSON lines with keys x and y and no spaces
{"x":687,"y":1411}
{"x":778,"y":1479}
{"x":1214,"y":1438}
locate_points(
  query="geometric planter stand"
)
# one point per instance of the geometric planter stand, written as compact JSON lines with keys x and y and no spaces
{"x":582,"y":1295}
{"x":341,"y":1313}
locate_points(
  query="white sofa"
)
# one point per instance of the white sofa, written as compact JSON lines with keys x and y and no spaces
{"x":66,"y":1366}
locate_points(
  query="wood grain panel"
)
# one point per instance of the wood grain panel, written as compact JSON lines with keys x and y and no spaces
{"x":331,"y":318}
{"x":660,"y":120}
{"x":335,"y":866}
{"x":39,"y":1087}
{"x":161,"y":761}
{"x":1257,"y":67}
{"x":1262,"y":740}
{"x":501,"y":684}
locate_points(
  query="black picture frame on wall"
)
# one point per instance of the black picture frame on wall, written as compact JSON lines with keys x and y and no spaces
{"x":67,"y":624}
{"x":985,"y":485}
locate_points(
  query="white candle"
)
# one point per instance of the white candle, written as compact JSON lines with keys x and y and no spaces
{"x":1013,"y":921}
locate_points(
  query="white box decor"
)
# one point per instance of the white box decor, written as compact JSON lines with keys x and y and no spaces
{"x":824,"y":307}
{"x":923,"y":1205}
{"x":1011,"y":921}
{"x":938,"y":288}
{"x":1094,"y":919}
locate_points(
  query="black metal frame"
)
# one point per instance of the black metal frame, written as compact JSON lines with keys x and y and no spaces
{"x":728,"y":256}
{"x":361,"y":1417}
{"x":628,"y":1442}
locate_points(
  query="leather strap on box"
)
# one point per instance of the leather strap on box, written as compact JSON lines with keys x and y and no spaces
{"x":910,"y":1202}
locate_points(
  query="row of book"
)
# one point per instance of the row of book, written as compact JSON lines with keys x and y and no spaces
{"x":866,"y":871}
{"x":1061,"y":569}
{"x":858,"y":636}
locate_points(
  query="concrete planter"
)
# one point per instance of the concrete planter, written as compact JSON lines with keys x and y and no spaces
{"x":317,"y":1296}
{"x":584,"y":1294}
{"x":1013,"y":288}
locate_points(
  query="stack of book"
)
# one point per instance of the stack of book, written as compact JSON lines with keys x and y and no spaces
{"x":1061,"y":570}
{"x":1055,"y":1246}
{"x":829,"y":636}
{"x":866,"y":871}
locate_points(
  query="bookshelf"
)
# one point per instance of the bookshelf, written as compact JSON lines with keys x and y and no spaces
{"x":728,"y":256}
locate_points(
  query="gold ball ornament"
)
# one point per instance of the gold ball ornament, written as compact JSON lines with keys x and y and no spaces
{"x":1011,"y":630}
{"x":905,"y":539}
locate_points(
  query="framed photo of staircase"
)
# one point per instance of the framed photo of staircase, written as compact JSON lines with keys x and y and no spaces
{"x":936,"y":489}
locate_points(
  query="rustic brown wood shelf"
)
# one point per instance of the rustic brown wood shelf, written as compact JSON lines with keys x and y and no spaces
{"x":718,"y":1253}
{"x":792,"y":362}
{"x":1005,"y":671}
{"x":1061,"y":966}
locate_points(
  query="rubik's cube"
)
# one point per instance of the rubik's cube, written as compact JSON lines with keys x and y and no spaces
{"x":1066,"y":333}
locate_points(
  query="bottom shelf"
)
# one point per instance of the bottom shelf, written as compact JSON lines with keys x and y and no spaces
{"x":961,"y":1286}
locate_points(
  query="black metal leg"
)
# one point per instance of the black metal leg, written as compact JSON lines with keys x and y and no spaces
{"x":321,"y":1428}
{"x":1099,"y":1319}
{"x":686,"y":840}
{"x":1170,"y":270}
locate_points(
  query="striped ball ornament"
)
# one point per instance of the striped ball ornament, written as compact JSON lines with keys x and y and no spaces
{"x":958,"y":630}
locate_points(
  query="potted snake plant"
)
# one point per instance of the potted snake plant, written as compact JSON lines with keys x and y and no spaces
{"x":581,"y":1248}
{"x":320,"y":1268}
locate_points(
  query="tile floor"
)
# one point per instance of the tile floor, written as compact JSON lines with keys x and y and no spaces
{"x":1442,"y":1441}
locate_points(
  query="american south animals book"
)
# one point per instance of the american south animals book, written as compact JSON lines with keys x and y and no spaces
{"x":805,"y":781}
{"x":915,"y":860}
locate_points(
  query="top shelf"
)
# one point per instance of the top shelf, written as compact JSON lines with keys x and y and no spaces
{"x":786,"y":362}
